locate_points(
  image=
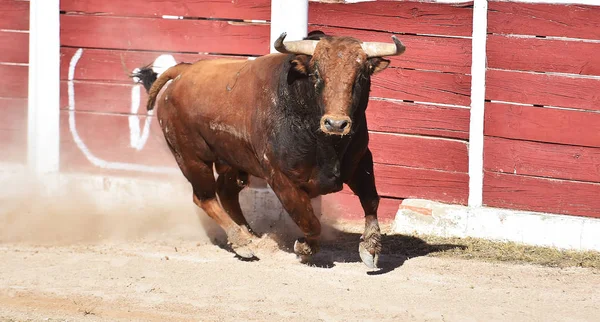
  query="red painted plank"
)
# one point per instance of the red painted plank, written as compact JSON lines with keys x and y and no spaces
{"x":543,"y":55}
{"x":108,"y":97}
{"x":346,"y":206}
{"x":247,"y":9}
{"x":429,"y":53}
{"x":542,"y":159}
{"x":103,"y":97}
{"x":421,"y":86}
{"x":114,"y":65}
{"x":14,"y":47}
{"x":401,"y":117}
{"x":542,"y":124}
{"x":419,"y":152}
{"x":13,"y":82}
{"x":423,"y":52}
{"x":543,"y":89}
{"x":164,"y":34}
{"x":396,"y":16}
{"x":14,"y":14}
{"x":13,"y":130}
{"x":108,"y":138}
{"x":540,"y":194}
{"x":405,"y":182}
{"x":575,"y":21}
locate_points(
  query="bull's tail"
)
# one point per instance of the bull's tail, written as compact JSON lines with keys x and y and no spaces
{"x":154,"y":83}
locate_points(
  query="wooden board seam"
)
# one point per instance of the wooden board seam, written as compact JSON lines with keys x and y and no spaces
{"x":232,"y":20}
{"x":551,"y":107}
{"x":569,"y":75}
{"x":225,"y":55}
{"x":418,"y":168}
{"x":535,"y":141}
{"x":543,"y":177}
{"x":430,"y":137}
{"x":389,"y":32}
{"x":394,"y":100}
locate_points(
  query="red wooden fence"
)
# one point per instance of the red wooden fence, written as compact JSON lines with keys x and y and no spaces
{"x":542,"y":147}
{"x":419,"y":145}
{"x":542,"y":143}
{"x":14,"y":55}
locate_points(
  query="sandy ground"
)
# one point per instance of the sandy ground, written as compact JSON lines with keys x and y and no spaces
{"x":71,"y":257}
{"x":181,"y":280}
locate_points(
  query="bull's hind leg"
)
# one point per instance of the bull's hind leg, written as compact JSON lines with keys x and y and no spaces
{"x":229,"y":184}
{"x":205,"y":186}
{"x":200,"y":174}
{"x":362,"y":184}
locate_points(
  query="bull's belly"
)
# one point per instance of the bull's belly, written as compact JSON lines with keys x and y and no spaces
{"x":235,"y":152}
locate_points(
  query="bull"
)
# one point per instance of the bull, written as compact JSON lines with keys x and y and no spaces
{"x":295,"y":118}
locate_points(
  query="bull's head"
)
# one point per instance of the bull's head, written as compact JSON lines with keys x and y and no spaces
{"x":339,"y":68}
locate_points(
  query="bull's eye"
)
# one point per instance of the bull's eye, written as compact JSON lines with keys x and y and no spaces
{"x":316,"y":75}
{"x":318,"y":80}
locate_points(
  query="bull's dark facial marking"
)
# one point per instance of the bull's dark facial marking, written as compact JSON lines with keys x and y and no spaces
{"x":317,"y":79}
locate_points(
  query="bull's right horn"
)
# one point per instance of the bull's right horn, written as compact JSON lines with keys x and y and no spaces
{"x":381,"y":49}
{"x":303,"y":47}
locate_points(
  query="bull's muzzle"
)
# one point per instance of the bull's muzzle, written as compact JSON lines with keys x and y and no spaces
{"x":336,"y":125}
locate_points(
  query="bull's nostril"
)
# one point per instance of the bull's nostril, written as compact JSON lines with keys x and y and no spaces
{"x":327,"y":122}
{"x":343,"y":125}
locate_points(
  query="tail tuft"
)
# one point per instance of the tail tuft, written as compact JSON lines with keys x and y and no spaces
{"x":145,"y":75}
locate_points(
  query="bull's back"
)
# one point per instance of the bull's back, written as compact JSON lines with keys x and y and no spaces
{"x":219,"y":100}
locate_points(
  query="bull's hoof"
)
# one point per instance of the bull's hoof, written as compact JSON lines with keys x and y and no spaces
{"x":304,"y":250}
{"x":370,"y":245}
{"x":242,"y":242}
{"x":367,"y":258}
{"x":244,"y":252}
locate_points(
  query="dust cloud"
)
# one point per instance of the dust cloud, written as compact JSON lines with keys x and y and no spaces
{"x":31,"y":212}
{"x":75,"y":212}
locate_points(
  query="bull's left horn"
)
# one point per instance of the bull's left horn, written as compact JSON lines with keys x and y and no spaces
{"x":380,"y":49}
{"x":304,"y":47}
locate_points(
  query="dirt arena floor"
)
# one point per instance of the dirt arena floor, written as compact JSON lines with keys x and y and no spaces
{"x":174,"y":279}
{"x":74,"y":263}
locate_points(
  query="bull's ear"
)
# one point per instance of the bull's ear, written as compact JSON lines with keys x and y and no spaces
{"x":298,"y":68}
{"x":377,"y":64}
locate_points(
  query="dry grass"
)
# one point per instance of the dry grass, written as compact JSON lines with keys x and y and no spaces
{"x":473,"y":248}
{"x":345,"y":239}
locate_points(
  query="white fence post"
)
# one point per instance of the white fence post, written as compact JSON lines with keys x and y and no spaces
{"x":478,"y":69}
{"x":43,"y":118}
{"x":289,"y":16}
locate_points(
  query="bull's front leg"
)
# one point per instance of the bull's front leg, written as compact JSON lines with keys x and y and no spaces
{"x":297,"y":203}
{"x":362,"y":184}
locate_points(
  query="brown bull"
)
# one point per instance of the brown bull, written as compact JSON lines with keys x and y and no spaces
{"x":296,"y":119}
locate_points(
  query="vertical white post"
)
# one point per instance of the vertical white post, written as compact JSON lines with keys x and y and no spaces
{"x":478,"y":69}
{"x":289,"y":16}
{"x":44,"y":86}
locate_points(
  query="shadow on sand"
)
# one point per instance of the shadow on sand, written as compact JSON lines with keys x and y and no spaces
{"x":340,"y":246}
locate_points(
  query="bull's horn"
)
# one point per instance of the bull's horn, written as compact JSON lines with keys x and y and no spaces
{"x":380,"y":49}
{"x":305,"y":47}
